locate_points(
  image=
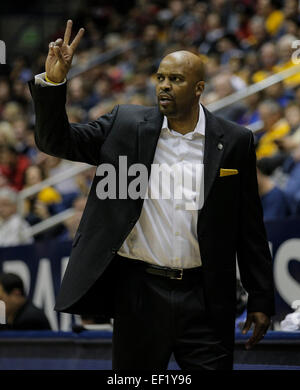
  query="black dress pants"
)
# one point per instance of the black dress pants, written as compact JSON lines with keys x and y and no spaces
{"x":156,"y":316}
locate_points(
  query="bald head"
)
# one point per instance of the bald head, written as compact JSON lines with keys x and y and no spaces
{"x":180,"y":84}
{"x":187,"y":61}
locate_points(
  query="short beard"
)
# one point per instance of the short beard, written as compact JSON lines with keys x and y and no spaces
{"x":172,"y":114}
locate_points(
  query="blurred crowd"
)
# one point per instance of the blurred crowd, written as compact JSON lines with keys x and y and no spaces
{"x":240,"y":42}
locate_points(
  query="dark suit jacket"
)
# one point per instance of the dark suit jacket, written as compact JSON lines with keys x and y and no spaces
{"x":28,"y":317}
{"x":229,"y":224}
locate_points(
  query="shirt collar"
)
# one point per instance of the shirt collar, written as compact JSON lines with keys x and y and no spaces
{"x":199,"y":129}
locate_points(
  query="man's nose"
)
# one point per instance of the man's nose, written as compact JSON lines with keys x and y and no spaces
{"x":165,"y":85}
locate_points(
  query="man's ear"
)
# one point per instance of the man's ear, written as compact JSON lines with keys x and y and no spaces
{"x":199,"y":88}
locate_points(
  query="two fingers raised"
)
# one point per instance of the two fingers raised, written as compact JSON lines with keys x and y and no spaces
{"x":60,"y":42}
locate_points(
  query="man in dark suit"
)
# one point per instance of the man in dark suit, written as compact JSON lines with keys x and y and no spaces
{"x":20,"y":312}
{"x":165,"y":272}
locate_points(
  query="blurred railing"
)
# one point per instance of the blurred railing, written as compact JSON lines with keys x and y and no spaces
{"x":213,"y":107}
{"x":254,"y":88}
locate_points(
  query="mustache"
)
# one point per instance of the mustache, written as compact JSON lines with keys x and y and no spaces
{"x":165,"y":95}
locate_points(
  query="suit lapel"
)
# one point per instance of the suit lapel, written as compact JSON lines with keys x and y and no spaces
{"x":213,"y":151}
{"x":148,"y":134}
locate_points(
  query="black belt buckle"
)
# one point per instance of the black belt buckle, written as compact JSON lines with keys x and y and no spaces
{"x":180,"y":274}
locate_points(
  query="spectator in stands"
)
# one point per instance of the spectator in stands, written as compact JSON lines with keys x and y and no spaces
{"x":272,"y":14}
{"x":223,"y":85}
{"x":292,"y":141}
{"x":31,"y":150}
{"x":13,"y":165}
{"x":268,"y":58}
{"x":14,"y":230}
{"x":67,"y":188}
{"x":258,"y":34}
{"x":286,"y":144}
{"x":251,"y":63}
{"x":275,"y":127}
{"x":212,"y":65}
{"x":214,"y":32}
{"x":11,"y":111}
{"x":251,"y":115}
{"x":45,"y":203}
{"x":228,"y":47}
{"x":290,"y":26}
{"x":19,"y":126}
{"x":84,"y":180}
{"x":7,"y":135}
{"x":142,"y":87}
{"x":21,"y":313}
{"x":291,"y":167}
{"x":150,"y":45}
{"x":182,"y":19}
{"x":103,"y":91}
{"x":21,"y":69}
{"x":78,"y":96}
{"x":279,"y":93}
{"x":290,"y":8}
{"x":285,"y":48}
{"x":274,"y":201}
{"x":72,"y":223}
{"x":19,"y":94}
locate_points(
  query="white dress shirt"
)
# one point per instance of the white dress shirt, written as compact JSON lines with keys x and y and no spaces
{"x":166,"y":232}
{"x":39,"y":79}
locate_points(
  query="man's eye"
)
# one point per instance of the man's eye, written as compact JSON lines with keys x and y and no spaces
{"x":159,"y":78}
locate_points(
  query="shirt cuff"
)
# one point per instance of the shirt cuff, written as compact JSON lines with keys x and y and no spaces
{"x":40,"y":80}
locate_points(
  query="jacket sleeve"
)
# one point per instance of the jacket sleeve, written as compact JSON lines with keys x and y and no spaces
{"x":253,"y":254}
{"x":54,"y":134}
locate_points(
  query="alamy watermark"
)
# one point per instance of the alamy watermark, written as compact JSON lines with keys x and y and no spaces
{"x":180,"y":181}
{"x":2,"y":53}
{"x":2,"y":313}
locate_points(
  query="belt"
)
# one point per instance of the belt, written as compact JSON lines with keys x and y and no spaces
{"x":170,"y":273}
{"x":173,"y":273}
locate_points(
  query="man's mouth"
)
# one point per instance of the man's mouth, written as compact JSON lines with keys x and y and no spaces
{"x":165,"y":100}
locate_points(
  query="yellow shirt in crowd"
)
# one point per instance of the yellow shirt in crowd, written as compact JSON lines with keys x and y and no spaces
{"x":266,"y":145}
{"x":274,"y":21}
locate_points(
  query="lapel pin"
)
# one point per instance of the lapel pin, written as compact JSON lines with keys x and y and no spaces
{"x":220,"y":146}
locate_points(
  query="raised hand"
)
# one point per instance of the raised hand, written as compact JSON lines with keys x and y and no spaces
{"x":61,"y":53}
